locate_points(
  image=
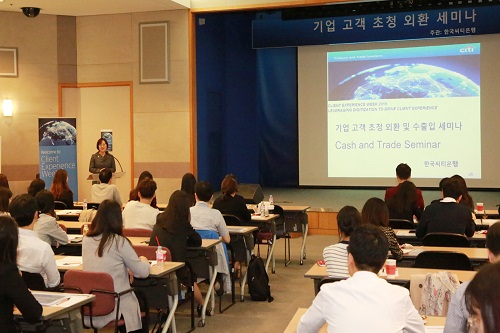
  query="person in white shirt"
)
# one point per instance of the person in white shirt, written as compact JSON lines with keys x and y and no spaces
{"x":140,"y":214}
{"x":46,"y":225}
{"x":105,"y":190}
{"x":364,"y":302}
{"x":34,"y":255}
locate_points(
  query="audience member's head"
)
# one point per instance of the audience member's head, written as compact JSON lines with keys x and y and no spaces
{"x":228,"y":187}
{"x":5,"y":195}
{"x":107,"y":222}
{"x":493,"y":242}
{"x":188,"y":182}
{"x":146,"y":188}
{"x":8,"y":240}
{"x":466,"y":198}
{"x":59,"y":183}
{"x":405,"y":197}
{"x":203,"y":191}
{"x":36,"y":186}
{"x":232,"y":175}
{"x":348,"y":219}
{"x":441,"y":183}
{"x":451,"y":189}
{"x":368,"y":248}
{"x":45,"y":202}
{"x":375,"y":212}
{"x":23,"y":209}
{"x":403,"y":172}
{"x":482,"y":299}
{"x":4,"y":182}
{"x":105,"y":175}
{"x":144,"y":175}
{"x":176,"y":215}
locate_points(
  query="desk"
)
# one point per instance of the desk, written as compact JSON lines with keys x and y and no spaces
{"x":68,"y":214}
{"x":65,"y":263}
{"x":73,"y":227}
{"x":209,"y":247}
{"x":408,"y":236}
{"x":317,"y":273}
{"x":242,"y":231}
{"x":268,"y":221}
{"x":475,"y":254}
{"x":431,"y":321}
{"x":484,"y":224}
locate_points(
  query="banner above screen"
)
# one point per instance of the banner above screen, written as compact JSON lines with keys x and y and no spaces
{"x":270,"y":30}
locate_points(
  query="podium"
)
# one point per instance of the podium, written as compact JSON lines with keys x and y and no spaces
{"x":95,"y":176}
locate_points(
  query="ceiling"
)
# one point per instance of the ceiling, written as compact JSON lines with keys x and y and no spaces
{"x":93,"y":7}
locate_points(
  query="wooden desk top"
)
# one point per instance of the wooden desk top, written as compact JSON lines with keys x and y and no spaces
{"x":292,"y":326}
{"x":407,"y":233}
{"x":488,"y":222}
{"x":316,"y":272}
{"x":240,"y":230}
{"x":285,"y":208}
{"x":258,"y":218}
{"x":474,"y":253}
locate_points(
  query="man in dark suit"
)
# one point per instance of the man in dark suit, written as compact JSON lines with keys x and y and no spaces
{"x":446,"y":215}
{"x":403,"y":173}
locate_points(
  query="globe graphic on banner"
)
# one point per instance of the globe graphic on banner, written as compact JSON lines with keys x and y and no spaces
{"x":405,"y":81}
{"x":57,"y":133}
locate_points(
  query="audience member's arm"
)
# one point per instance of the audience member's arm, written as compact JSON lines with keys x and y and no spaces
{"x":420,"y":200}
{"x":50,"y":267}
{"x":22,"y":297}
{"x":140,"y":268}
{"x":313,"y":319}
{"x":57,"y":233}
{"x":194,"y":238}
{"x":470,"y":227}
{"x":394,"y":247}
{"x":222,"y":229}
{"x":414,"y":323}
{"x":422,"y":225}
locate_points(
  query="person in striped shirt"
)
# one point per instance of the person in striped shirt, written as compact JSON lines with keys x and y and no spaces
{"x":335,"y":255}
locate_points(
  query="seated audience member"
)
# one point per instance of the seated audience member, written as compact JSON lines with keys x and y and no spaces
{"x":375,"y":212}
{"x":482,"y":298}
{"x":456,"y":320}
{"x":446,"y":215}
{"x":60,"y":188}
{"x":140,"y":214}
{"x":13,"y":290}
{"x":105,"y":249}
{"x":105,"y":190}
{"x":403,"y":205}
{"x":363,"y":302}
{"x":46,"y":225}
{"x":466,"y":198}
{"x":187,"y":185}
{"x":34,"y":255}
{"x":440,"y":190}
{"x":174,"y":232}
{"x":335,"y":256}
{"x":133,"y":195}
{"x":36,"y":186}
{"x":4,"y":182}
{"x":403,"y":174}
{"x":5,"y":196}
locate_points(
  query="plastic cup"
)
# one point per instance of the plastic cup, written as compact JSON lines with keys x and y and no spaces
{"x":480,"y":207}
{"x":390,"y":268}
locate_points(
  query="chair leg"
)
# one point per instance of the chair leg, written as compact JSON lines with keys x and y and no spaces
{"x":287,"y":240}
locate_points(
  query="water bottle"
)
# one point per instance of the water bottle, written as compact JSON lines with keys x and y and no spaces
{"x":159,"y":257}
{"x":84,"y":204}
{"x":266,"y":210}
{"x":85,"y":229}
{"x":271,"y":200}
{"x":262,"y":209}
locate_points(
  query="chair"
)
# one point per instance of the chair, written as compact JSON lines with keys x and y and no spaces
{"x":93,"y":205}
{"x":150,"y":252}
{"x":33,"y":281}
{"x":282,"y":232}
{"x":101,"y":285}
{"x":63,"y":227}
{"x":443,"y":260}
{"x":329,"y":279}
{"x":136,"y":232}
{"x":59,"y":205}
{"x":445,"y":239}
{"x":401,"y":224}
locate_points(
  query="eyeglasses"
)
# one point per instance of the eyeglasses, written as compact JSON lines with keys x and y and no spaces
{"x":473,"y":324}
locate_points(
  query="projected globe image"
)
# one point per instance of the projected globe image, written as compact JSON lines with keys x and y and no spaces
{"x":404,"y":81}
{"x":57,"y":133}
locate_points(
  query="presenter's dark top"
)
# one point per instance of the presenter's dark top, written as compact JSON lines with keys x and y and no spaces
{"x":233,"y":206}
{"x":446,"y":217}
{"x":98,"y":162}
{"x":13,"y":291}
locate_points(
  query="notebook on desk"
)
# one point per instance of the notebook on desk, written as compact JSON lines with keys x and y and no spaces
{"x":50,"y":299}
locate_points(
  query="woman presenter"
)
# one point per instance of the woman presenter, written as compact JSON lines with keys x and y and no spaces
{"x":102,"y":159}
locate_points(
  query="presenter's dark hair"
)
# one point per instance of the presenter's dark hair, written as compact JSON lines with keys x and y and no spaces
{"x":36,"y":186}
{"x":466,"y":198}
{"x":105,"y":175}
{"x":482,"y":297}
{"x":45,"y":201}
{"x":107,"y":222}
{"x":452,"y":188}
{"x":204,"y":190}
{"x":176,"y":216}
{"x":147,"y":188}
{"x":368,"y":246}
{"x":493,"y":239}
{"x":99,"y":142}
{"x":403,"y":171}
{"x":22,"y":209}
{"x":348,"y":219}
{"x":375,"y":212}
{"x":9,"y":235}
{"x":5,"y":195}
{"x":4,"y":182}
{"x":228,"y":187}
{"x":405,"y":197}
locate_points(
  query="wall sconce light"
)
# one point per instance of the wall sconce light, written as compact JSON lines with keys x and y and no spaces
{"x":7,"y":108}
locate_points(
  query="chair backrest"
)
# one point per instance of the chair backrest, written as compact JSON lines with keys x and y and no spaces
{"x":279,"y":210}
{"x":93,"y":205}
{"x":87,"y":215}
{"x":63,"y":227}
{"x":97,"y":283}
{"x":445,"y":239}
{"x":34,"y":281}
{"x":136,"y":232}
{"x":443,"y":260}
{"x":150,"y":252}
{"x":329,"y":279}
{"x":59,"y":205}
{"x":401,"y":224}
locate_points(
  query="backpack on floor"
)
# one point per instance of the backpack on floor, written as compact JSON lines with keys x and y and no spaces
{"x":258,"y":281}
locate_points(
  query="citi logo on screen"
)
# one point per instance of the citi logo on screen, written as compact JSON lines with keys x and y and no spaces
{"x":467,"y":49}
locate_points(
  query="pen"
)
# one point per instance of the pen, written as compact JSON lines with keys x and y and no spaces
{"x":62,"y":301}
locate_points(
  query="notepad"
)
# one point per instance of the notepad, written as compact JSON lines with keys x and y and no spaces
{"x":49,"y":300}
{"x":69,"y":261}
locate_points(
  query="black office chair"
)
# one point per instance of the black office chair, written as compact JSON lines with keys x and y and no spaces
{"x":443,"y":260}
{"x":282,"y":231}
{"x":401,"y":224}
{"x":93,"y":205}
{"x":445,"y":239}
{"x":60,"y":205}
{"x":34,"y":281}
